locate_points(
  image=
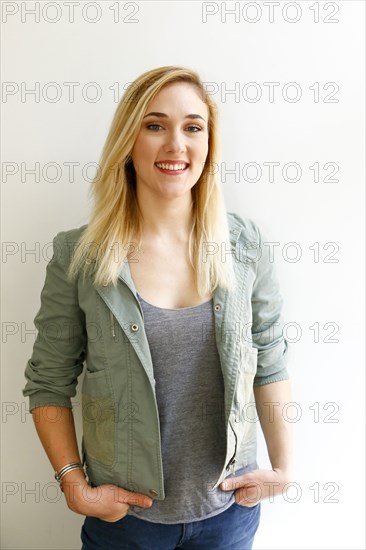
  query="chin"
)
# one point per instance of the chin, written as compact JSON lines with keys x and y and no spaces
{"x":174,"y":193}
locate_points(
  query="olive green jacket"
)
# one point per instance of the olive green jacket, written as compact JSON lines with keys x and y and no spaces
{"x":103,"y":328}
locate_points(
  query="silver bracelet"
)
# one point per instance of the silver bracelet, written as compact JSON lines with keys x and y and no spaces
{"x":66,"y":469}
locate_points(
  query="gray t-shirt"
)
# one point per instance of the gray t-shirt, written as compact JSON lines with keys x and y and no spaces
{"x":190,"y":396}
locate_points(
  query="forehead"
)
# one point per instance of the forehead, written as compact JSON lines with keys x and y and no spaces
{"x":179,"y":97}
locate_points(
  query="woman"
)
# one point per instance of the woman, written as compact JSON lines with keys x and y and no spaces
{"x":175,"y":307}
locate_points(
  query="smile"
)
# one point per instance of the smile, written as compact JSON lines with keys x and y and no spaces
{"x":171,"y":168}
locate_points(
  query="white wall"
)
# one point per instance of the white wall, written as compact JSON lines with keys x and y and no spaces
{"x":327,"y":377}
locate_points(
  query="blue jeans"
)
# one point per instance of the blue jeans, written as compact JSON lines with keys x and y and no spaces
{"x":233,"y":529}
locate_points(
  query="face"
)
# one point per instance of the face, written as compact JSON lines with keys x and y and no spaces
{"x":172,"y":144}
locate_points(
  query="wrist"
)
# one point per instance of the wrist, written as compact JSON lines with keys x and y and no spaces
{"x":66,"y":469}
{"x":74,"y":487}
{"x":285,"y":472}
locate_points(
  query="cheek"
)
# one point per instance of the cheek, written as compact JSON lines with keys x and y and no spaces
{"x":149,"y":149}
{"x":138,"y":148}
{"x":201,"y":153}
{"x":141,"y":153}
{"x":203,"y":149}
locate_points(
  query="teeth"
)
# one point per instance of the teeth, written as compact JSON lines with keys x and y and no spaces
{"x":171,"y":166}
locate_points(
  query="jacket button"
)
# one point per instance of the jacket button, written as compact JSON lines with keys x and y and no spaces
{"x":217,"y":307}
{"x":153,"y":492}
{"x":134,"y":327}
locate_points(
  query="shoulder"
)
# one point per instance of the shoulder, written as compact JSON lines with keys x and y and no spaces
{"x":243,"y":228}
{"x":71,"y":235}
{"x":65,"y":241}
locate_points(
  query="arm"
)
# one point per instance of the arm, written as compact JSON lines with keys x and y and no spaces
{"x":277,"y":430}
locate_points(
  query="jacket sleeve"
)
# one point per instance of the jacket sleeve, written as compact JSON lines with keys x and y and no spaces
{"x":60,"y":347}
{"x":267,"y":321}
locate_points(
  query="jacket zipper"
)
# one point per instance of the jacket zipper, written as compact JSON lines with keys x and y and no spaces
{"x":112,"y":324}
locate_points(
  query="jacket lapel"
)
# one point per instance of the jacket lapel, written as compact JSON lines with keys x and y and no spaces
{"x":122,"y":301}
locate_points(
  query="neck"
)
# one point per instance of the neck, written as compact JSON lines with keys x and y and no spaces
{"x":166,"y":220}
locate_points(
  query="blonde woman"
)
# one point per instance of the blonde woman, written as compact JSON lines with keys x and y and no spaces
{"x":174,"y":306}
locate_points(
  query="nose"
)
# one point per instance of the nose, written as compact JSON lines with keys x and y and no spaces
{"x":175,"y":142}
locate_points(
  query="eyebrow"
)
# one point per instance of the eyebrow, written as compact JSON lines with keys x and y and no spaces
{"x":163,"y":115}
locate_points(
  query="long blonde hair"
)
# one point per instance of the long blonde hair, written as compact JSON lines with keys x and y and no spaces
{"x":116,"y":218}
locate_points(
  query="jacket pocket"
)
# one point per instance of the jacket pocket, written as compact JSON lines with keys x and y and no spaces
{"x":98,"y":418}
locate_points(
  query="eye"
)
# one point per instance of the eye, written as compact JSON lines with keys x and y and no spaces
{"x":193,"y":129}
{"x":155,"y":127}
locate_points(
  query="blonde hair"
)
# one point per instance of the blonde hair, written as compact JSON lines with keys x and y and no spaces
{"x":116,"y":217}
